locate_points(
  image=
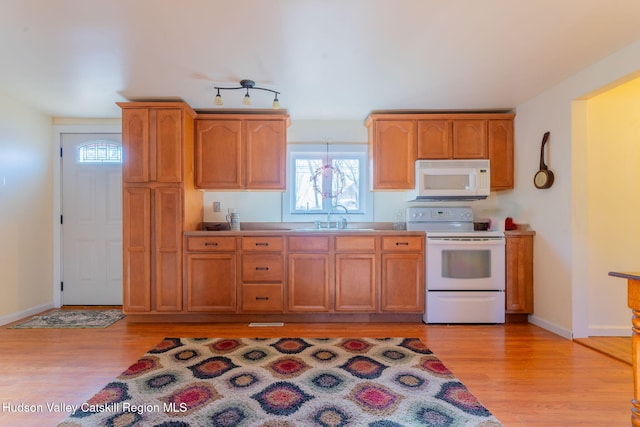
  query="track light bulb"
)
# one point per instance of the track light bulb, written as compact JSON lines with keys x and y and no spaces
{"x":218,"y":99}
{"x":247,"y":99}
{"x":276,"y":103}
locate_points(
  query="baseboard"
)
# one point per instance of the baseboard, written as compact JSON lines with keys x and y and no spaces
{"x":551,"y":327}
{"x":610,"y":331}
{"x":25,"y":313}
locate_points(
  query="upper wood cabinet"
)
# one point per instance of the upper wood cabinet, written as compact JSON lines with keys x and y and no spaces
{"x":392,"y":147}
{"x":241,"y":151}
{"x":151,"y":138}
{"x":500,"y":145}
{"x":437,"y":136}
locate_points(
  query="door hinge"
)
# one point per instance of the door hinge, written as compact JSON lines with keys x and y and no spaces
{"x":61,"y":220}
{"x":60,"y":151}
{"x":61,"y":286}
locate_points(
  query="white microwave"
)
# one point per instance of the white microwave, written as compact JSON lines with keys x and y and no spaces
{"x":452,"y":180}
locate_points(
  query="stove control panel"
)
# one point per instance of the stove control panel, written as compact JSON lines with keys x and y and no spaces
{"x":429,"y":214}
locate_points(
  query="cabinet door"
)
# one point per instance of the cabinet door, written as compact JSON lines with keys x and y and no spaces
{"x":211,"y":282}
{"x":167,"y":259}
{"x":393,"y":147}
{"x":266,"y":154}
{"x":356,"y":282}
{"x":435,"y":139}
{"x":135,"y":145}
{"x":166,"y":142}
{"x":136,"y":242}
{"x":501,"y":153}
{"x":402,"y":281}
{"x":308,"y":283}
{"x":470,"y":139}
{"x":519,"y":274}
{"x":219,"y":154}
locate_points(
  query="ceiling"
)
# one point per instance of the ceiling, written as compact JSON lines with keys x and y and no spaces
{"x":330,"y":59}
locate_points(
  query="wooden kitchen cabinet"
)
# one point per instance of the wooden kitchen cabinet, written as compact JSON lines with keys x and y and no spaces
{"x":519,"y":272}
{"x":435,"y":139}
{"x":392,"y":149}
{"x":469,"y":139}
{"x":159,"y":203}
{"x":308,"y":274}
{"x":152,"y":267}
{"x":500,"y":146}
{"x":210,"y":274}
{"x":402,"y":276}
{"x":262,"y":274}
{"x":356,"y":274}
{"x":241,"y":151}
{"x":151,"y":142}
{"x":438,"y":136}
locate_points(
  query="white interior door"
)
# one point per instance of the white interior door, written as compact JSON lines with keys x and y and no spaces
{"x":92,"y":219}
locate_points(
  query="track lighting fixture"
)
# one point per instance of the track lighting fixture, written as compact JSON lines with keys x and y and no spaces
{"x":246,"y":84}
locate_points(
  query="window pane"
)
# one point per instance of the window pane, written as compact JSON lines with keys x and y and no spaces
{"x":100,"y":152}
{"x":306,"y":198}
{"x":349,"y":181}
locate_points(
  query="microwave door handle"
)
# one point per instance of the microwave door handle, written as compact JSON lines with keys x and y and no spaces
{"x":474,"y":181}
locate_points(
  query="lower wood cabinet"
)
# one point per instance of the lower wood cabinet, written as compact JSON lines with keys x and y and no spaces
{"x":210,"y":274}
{"x":262,"y":274}
{"x":402,"y":282}
{"x":308,"y":274}
{"x":304,"y":274}
{"x":519,"y":273}
{"x":356,"y":274}
{"x":152,"y":267}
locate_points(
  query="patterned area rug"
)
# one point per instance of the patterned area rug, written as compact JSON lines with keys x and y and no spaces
{"x":72,"y":319}
{"x":282,"y":382}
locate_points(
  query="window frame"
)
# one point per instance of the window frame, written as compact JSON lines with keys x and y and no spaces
{"x":327,"y":153}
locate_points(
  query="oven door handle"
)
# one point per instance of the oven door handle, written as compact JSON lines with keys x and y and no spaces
{"x":499,"y":241}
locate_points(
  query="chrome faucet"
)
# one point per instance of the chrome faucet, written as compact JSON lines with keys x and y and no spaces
{"x":343,"y":222}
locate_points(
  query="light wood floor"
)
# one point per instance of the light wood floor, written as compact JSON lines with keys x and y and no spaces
{"x":525,"y":375}
{"x":616,"y":347}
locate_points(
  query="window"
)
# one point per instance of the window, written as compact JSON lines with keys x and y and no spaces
{"x":100,"y":152}
{"x":322,"y":177}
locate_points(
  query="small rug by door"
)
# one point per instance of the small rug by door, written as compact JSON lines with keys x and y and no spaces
{"x":330,"y":382}
{"x":72,"y":319}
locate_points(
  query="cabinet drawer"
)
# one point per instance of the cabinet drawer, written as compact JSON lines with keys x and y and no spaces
{"x":263,"y":244}
{"x":262,"y":268}
{"x":211,"y":243}
{"x":402,"y":243}
{"x":262,"y":297}
{"x":309,"y":244}
{"x":356,"y":243}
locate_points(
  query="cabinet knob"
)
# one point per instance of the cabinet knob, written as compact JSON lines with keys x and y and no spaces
{"x":262,"y":298}
{"x":211,"y":243}
{"x":262,"y":244}
{"x":262,"y":268}
{"x":402,"y":243}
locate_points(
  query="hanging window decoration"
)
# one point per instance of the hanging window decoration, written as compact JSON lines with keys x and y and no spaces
{"x":328,"y":173}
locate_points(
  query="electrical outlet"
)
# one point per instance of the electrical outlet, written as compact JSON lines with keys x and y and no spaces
{"x":216,"y":206}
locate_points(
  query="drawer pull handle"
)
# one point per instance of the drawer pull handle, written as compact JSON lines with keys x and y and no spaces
{"x":262,"y":268}
{"x":211,"y":243}
{"x":262,"y":298}
{"x":402,"y":243}
{"x":262,"y":244}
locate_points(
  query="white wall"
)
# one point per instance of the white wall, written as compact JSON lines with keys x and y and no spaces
{"x":613,"y":157}
{"x":26,"y":194}
{"x":558,"y":215}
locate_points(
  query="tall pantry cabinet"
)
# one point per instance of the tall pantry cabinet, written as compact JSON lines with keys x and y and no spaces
{"x":159,"y":202}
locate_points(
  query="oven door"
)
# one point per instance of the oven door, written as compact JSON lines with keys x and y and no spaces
{"x":465,"y":264}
